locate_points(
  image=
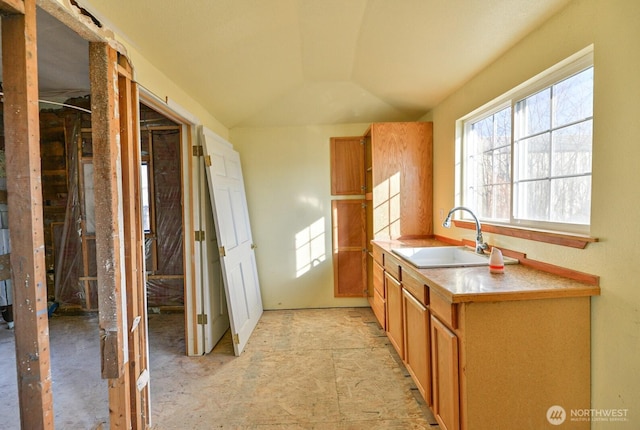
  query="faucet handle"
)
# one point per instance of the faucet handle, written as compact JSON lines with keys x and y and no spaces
{"x":481,"y":245}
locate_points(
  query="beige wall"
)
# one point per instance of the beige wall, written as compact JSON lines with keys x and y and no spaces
{"x":163,"y":88}
{"x":287,"y":179}
{"x":613,"y":26}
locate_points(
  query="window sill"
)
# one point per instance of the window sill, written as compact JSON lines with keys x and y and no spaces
{"x":562,"y":239}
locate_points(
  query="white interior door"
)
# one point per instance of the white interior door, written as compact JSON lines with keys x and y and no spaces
{"x":214,"y":300}
{"x":233,"y":232}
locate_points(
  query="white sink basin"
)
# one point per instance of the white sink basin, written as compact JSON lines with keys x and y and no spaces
{"x":444,"y":256}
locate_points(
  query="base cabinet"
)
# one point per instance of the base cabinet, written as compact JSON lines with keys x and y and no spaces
{"x":446,"y":394}
{"x":487,"y":365}
{"x":519,"y":358}
{"x":378,"y":300}
{"x":417,"y":343}
{"x":395,"y":330}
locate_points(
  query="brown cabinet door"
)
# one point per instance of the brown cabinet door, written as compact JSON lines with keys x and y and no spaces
{"x":378,"y":303}
{"x":347,"y":166}
{"x":378,"y":278}
{"x":444,"y":362}
{"x":395,"y":330}
{"x":402,"y":177}
{"x":349,"y":248}
{"x":417,"y":355}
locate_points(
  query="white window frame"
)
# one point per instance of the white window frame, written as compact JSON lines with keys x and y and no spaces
{"x":567,"y":68}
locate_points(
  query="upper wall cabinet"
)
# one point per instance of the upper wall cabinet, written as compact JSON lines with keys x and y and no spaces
{"x":400,"y":186}
{"x":349,"y":248}
{"x":347,"y":166}
{"x":391,"y":168}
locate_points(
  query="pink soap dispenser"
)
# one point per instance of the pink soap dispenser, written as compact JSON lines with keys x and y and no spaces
{"x":496,"y":261}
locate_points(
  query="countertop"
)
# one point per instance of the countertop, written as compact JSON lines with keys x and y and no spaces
{"x":477,"y":284}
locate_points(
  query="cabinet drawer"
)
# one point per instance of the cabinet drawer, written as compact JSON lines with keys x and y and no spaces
{"x":392,"y":266}
{"x":415,"y":287}
{"x":378,"y":255}
{"x":444,"y":309}
{"x":378,"y":278}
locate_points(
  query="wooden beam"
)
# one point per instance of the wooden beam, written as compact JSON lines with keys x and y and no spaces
{"x":108,"y":207}
{"x":12,"y":7}
{"x":109,"y":230}
{"x":133,"y":244}
{"x":24,"y":189}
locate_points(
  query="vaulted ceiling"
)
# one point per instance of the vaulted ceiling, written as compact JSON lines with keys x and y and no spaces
{"x":300,"y":62}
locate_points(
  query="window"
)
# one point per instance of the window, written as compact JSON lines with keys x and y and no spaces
{"x":525,"y":158}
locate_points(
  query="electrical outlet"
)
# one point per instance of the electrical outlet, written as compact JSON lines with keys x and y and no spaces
{"x":441,"y":214}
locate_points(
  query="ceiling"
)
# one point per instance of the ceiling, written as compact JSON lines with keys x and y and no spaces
{"x":254,"y":63}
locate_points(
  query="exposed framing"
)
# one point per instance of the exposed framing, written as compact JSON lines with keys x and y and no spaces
{"x":109,"y":232}
{"x":24,"y":194}
{"x":134,"y":246}
{"x":124,"y":346}
{"x":119,"y":237}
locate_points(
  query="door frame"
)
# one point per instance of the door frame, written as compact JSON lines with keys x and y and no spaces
{"x":191,"y":218}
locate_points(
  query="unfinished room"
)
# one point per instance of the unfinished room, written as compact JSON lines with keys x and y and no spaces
{"x":319,"y":214}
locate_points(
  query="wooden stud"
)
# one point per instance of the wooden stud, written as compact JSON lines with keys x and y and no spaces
{"x":133,"y":244}
{"x":107,"y":163}
{"x":24,"y":183}
{"x":130,"y":193}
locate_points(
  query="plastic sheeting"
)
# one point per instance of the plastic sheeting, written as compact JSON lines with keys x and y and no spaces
{"x":164,"y":241}
{"x":67,"y":238}
{"x":74,"y":239}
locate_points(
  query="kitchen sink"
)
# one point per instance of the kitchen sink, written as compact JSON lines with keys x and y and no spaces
{"x":445,"y":256}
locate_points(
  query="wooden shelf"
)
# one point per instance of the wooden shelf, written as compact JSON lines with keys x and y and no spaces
{"x":562,"y":239}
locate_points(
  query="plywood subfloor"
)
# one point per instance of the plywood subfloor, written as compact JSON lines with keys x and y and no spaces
{"x":302,"y":369}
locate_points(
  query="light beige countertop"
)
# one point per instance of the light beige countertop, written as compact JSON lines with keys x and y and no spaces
{"x":477,"y":284}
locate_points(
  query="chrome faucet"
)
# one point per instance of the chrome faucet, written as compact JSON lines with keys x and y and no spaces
{"x":480,"y":245}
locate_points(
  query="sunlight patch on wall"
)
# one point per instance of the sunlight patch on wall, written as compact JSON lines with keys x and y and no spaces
{"x":310,"y":247}
{"x":313,"y":202}
{"x":387,"y":213}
